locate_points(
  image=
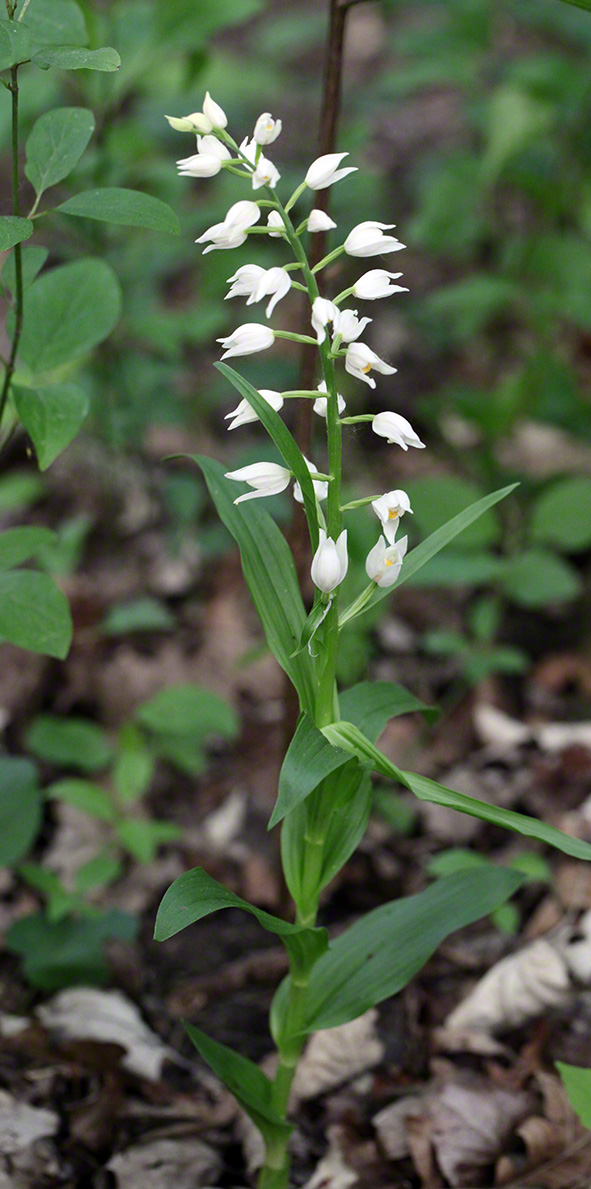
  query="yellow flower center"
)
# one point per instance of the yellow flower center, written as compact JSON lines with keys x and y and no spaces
{"x":388,"y":561}
{"x":392,"y":515}
{"x":367,"y":368}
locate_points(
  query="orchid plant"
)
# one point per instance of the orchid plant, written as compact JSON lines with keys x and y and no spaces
{"x":324,"y":793}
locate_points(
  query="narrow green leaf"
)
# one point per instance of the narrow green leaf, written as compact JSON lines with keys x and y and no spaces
{"x":68,"y":311}
{"x":19,"y":544}
{"x":85,"y":795}
{"x":315,"y":618}
{"x":67,"y":57}
{"x":308,"y":760}
{"x":69,"y":742}
{"x":382,"y":951}
{"x":20,"y":808}
{"x":34,"y":613}
{"x":14,"y":230}
{"x":586,"y":4}
{"x":195,"y":895}
{"x":16,"y":44}
{"x":130,"y":208}
{"x":51,"y":416}
{"x":55,"y":22}
{"x":249,"y":1085}
{"x":577,"y":1083}
{"x":56,"y":144}
{"x":270,"y":574}
{"x":347,"y":736}
{"x":371,"y":704}
{"x":285,"y":443}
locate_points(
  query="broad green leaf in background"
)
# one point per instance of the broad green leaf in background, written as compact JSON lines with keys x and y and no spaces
{"x":69,"y":742}
{"x":586,"y":4}
{"x":102,"y":869}
{"x":55,"y":22}
{"x":68,"y":952}
{"x":285,"y":443}
{"x":195,"y":895}
{"x":472,"y":568}
{"x":16,"y":43}
{"x":577,"y":1083}
{"x":188,"y":710}
{"x":20,"y":808}
{"x":347,"y":736}
{"x":34,"y":613}
{"x":134,"y":765}
{"x":67,"y":57}
{"x":51,"y":416}
{"x":249,"y":1085}
{"x":382,"y":951}
{"x":561,"y":515}
{"x":19,"y":544}
{"x":269,"y":571}
{"x":68,"y":311}
{"x":308,"y":760}
{"x":537,"y":577}
{"x":33,"y":259}
{"x":59,"y":900}
{"x":13,"y":230}
{"x":130,"y":208}
{"x":436,"y":500}
{"x":515,"y":118}
{"x":140,"y":615}
{"x":56,"y":144}
{"x":85,"y":795}
{"x":142,"y":838}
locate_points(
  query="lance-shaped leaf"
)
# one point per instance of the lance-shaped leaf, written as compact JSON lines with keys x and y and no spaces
{"x":51,"y":416}
{"x":34,"y":613}
{"x":285,"y":443}
{"x":13,"y":230}
{"x":56,"y":144}
{"x":249,"y":1085}
{"x":345,"y":735}
{"x":270,"y":574}
{"x":310,"y":757}
{"x":68,"y":57}
{"x":68,"y":311}
{"x":129,"y":208}
{"x":195,"y":895}
{"x":20,"y":808}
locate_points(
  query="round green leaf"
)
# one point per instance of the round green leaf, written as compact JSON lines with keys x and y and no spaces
{"x":52,"y":417}
{"x":56,"y":144}
{"x":538,"y":577}
{"x":69,"y":742}
{"x":34,"y":613}
{"x":20,"y":808}
{"x":434,"y":501}
{"x":15,"y":43}
{"x":13,"y":231}
{"x":130,"y":208}
{"x":68,"y":311}
{"x":562,"y":515}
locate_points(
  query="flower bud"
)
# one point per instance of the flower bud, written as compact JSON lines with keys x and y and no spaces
{"x":319,"y":221}
{"x":397,"y":430}
{"x":323,"y":171}
{"x":267,"y":478}
{"x":244,"y":413}
{"x":376,"y":283}
{"x":247,"y":340}
{"x":368,"y":239}
{"x":214,"y":113}
{"x":330,"y":562}
{"x":359,"y":361}
{"x":323,"y":312}
{"x":200,"y":165}
{"x":275,"y":221}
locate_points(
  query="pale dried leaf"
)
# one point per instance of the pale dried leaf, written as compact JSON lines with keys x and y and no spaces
{"x":22,"y":1125}
{"x":76,"y":840}
{"x":333,"y":1172}
{"x":337,"y":1055}
{"x":84,"y":1013}
{"x":391,"y":1125}
{"x":498,"y":729}
{"x":179,"y":1163}
{"x":224,"y":824}
{"x":469,"y":1128}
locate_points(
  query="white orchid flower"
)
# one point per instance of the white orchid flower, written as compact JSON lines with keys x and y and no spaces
{"x":200,"y":165}
{"x":389,"y":508}
{"x":265,"y":173}
{"x":244,"y":413}
{"x":350,"y":326}
{"x":377,"y":283}
{"x":232,"y":232}
{"x":397,"y":430}
{"x":368,"y":239}
{"x":275,"y":221}
{"x":324,"y":171}
{"x":320,"y":403}
{"x":320,"y":485}
{"x":359,"y":361}
{"x":330,"y":562}
{"x":247,"y":340}
{"x":196,"y":122}
{"x":266,"y":129}
{"x":267,"y":478}
{"x":323,"y":312}
{"x":319,"y":221}
{"x":214,"y":113}
{"x":245,"y":281}
{"x":384,"y":562}
{"x":275,"y":281}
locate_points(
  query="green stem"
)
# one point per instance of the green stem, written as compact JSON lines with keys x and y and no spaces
{"x":328,"y":259}
{"x":18,"y":259}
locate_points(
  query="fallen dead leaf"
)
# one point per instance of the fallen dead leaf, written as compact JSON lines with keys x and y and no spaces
{"x":178,"y":1163}
{"x":337,"y":1055}
{"x":333,"y":1172}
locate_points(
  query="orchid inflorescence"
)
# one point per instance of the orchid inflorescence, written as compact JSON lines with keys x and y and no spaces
{"x":337,"y":330}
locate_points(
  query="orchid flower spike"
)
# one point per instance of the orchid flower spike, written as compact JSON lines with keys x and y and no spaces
{"x":233,"y":231}
{"x":214,"y":113}
{"x":320,"y":485}
{"x":368,"y":239}
{"x":359,"y":361}
{"x":377,"y":283}
{"x":323,"y":312}
{"x":324,"y":171}
{"x":389,"y":508}
{"x":319,"y":221}
{"x":350,"y":326}
{"x":384,"y":562}
{"x":244,"y":413}
{"x":267,"y":478}
{"x":330,"y":562}
{"x":247,"y":340}
{"x":320,"y":403}
{"x":397,"y":430}
{"x":266,"y":129}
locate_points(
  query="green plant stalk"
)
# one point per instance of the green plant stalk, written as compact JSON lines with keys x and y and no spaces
{"x":18,"y":259}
